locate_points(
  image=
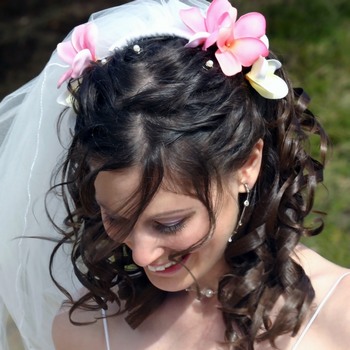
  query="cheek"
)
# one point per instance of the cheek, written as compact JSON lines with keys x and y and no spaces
{"x":226,"y":221}
{"x":199,"y":228}
{"x":191,"y":234}
{"x":225,"y":228}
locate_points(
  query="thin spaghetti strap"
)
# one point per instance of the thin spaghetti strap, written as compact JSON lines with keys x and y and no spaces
{"x":318,"y":310}
{"x":105,"y":328}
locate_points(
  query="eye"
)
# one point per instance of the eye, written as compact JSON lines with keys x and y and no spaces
{"x":170,"y":228}
{"x":112,"y":223}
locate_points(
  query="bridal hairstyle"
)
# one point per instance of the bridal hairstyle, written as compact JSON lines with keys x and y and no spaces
{"x":153,"y":94}
{"x":187,"y":126}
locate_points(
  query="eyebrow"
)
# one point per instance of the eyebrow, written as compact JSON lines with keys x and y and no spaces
{"x":155,"y":217}
{"x":172,"y":212}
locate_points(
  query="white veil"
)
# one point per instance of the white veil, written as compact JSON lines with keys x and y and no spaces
{"x":29,"y":152}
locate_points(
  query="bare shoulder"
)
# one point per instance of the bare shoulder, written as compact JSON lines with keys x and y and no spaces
{"x":89,"y":334}
{"x":336,"y":312}
{"x":68,"y":336}
{"x":332,"y":302}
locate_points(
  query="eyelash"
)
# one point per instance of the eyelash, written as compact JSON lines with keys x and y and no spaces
{"x":170,"y":229}
{"x":162,"y":228}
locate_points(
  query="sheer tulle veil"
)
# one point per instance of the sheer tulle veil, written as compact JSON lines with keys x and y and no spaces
{"x":29,"y":152}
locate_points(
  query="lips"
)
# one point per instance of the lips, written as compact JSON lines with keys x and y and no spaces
{"x":168,"y":265}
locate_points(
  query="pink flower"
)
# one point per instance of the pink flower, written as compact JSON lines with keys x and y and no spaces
{"x":240,"y":43}
{"x":220,"y":13}
{"x":79,"y":52}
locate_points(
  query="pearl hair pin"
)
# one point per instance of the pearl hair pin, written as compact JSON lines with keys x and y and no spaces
{"x":137,"y":48}
{"x":209,"y":64}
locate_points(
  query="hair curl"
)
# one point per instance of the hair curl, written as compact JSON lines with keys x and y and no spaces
{"x":164,"y":111}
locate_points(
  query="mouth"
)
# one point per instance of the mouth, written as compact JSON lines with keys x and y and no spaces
{"x":168,"y":265}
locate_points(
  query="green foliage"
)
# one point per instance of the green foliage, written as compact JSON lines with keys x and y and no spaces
{"x":312,"y":39}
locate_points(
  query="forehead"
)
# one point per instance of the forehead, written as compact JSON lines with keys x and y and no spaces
{"x":127,"y":182}
{"x":117,"y":192}
{"x":121,"y":182}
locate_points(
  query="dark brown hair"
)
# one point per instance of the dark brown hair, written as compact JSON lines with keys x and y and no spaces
{"x":164,"y":111}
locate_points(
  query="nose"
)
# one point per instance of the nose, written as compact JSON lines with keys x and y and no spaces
{"x":145,"y":247}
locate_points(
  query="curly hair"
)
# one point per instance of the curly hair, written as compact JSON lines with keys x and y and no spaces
{"x":164,"y":111}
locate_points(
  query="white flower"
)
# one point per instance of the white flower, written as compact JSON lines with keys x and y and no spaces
{"x":263,"y":79}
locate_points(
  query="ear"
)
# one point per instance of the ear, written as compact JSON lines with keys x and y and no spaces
{"x":249,"y":172}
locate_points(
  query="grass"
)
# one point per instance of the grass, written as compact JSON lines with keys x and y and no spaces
{"x":312,"y":38}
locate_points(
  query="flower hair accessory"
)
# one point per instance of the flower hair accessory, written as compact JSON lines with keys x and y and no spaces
{"x":264,"y":81}
{"x":240,"y":43}
{"x":79,"y":51}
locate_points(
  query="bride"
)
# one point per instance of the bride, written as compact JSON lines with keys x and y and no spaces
{"x":168,"y":212}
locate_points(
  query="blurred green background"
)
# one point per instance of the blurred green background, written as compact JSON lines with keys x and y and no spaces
{"x":312,"y":39}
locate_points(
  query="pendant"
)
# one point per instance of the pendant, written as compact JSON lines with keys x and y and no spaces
{"x":206,"y":292}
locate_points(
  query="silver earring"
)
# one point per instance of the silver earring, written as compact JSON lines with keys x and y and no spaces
{"x":245,"y":205}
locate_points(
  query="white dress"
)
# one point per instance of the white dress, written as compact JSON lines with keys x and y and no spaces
{"x":299,"y":339}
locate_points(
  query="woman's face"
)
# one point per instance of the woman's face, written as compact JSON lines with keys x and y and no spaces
{"x":172,"y":222}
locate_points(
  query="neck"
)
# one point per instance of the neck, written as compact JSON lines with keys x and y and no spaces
{"x":207,"y":287}
{"x":202,"y":293}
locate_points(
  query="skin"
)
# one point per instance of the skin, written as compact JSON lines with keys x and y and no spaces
{"x":161,"y":231}
{"x":182,"y":321}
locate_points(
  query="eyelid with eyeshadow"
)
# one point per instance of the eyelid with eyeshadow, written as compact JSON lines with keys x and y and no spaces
{"x":162,"y":225}
{"x":158,"y":226}
{"x":170,"y":228}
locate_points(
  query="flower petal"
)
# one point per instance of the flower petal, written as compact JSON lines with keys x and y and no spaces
{"x":84,"y":37}
{"x":273,"y":65}
{"x":259,"y":69}
{"x":273,"y":87}
{"x":81,"y":61}
{"x":194,"y":19}
{"x":90,"y":38}
{"x":264,"y":81}
{"x":218,"y":12}
{"x":265,"y":40}
{"x":78,"y":32}
{"x":252,"y":25}
{"x":197,"y":39}
{"x":211,"y":39}
{"x":66,"y":52}
{"x":64,"y":77}
{"x":228,"y":63}
{"x":65,"y":99}
{"x":248,"y":50}
{"x":78,"y":37}
{"x":79,"y":51}
{"x":224,"y":38}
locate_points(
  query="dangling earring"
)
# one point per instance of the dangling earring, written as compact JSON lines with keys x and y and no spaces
{"x":245,"y":205}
